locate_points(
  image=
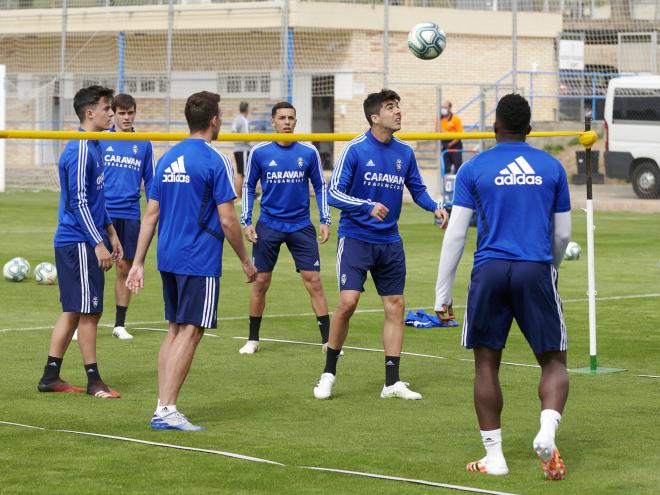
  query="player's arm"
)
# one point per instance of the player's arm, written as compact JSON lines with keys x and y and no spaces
{"x":117,"y":250}
{"x":232,"y":229}
{"x":135,"y":279}
{"x":252,"y":176}
{"x":562,"y":218}
{"x":342,"y":177}
{"x":321,"y":193}
{"x":78,"y":177}
{"x":420,"y":195}
{"x":148,"y":170}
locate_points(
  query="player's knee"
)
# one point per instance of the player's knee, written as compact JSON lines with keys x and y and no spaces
{"x":262,"y":284}
{"x":394,"y":306}
{"x":346,"y":306}
{"x":123,"y":267}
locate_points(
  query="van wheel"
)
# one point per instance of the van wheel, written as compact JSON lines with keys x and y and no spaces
{"x":646,"y":180}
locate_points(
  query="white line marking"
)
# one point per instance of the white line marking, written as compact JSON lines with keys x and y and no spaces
{"x":408,"y":480}
{"x":22,"y":425}
{"x":206,"y":334}
{"x":374,"y":310}
{"x":649,"y":376}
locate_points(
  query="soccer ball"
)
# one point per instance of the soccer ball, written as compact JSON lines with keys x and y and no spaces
{"x":16,"y":269}
{"x":573,"y":251}
{"x":427,"y":40}
{"x":45,"y":273}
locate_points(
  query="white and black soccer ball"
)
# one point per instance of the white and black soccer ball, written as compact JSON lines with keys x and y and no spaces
{"x":45,"y":273}
{"x":427,"y":40}
{"x":573,"y":251}
{"x":16,"y":269}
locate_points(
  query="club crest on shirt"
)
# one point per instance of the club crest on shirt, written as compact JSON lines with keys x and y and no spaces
{"x":398,"y":164}
{"x":135,"y":149}
{"x":301,"y":162}
{"x":343,"y":279}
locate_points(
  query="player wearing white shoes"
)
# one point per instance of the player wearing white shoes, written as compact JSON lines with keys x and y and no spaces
{"x":127,"y":165}
{"x":367,"y":186}
{"x":520,"y":195}
{"x":285,"y":170}
{"x":192,"y":202}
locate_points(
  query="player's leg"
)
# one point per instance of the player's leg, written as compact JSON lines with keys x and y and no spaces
{"x":59,"y":342}
{"x":488,"y":318}
{"x":240,"y":157}
{"x":87,"y":329}
{"x":164,"y":352}
{"x":354,"y":258}
{"x":305,"y":251}
{"x":264,"y":253}
{"x":179,"y":358}
{"x":540,"y":317}
{"x":128,"y":231}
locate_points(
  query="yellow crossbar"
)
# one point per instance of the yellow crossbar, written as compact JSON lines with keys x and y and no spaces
{"x":586,"y":138}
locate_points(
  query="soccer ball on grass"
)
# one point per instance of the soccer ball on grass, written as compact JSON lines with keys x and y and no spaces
{"x":16,"y":269}
{"x":573,"y":251}
{"x":45,"y":273}
{"x":427,"y":40}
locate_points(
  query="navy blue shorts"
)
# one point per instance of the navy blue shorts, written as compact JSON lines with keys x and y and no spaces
{"x":80,"y":279}
{"x":501,"y":290}
{"x":301,"y":243}
{"x":386,"y":262}
{"x":191,"y":299}
{"x":128,"y":231}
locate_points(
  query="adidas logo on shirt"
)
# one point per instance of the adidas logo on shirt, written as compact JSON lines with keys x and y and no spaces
{"x":176,"y":172}
{"x":518,"y":172}
{"x":370,"y":163}
{"x":109,"y":148}
{"x":272,"y":163}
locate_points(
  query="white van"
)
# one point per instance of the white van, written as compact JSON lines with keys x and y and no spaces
{"x":632,"y":133}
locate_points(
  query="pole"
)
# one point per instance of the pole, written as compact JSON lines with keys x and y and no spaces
{"x":2,"y":126}
{"x":289,"y":66}
{"x":168,"y":63}
{"x":386,"y":42}
{"x":438,"y":120}
{"x":591,"y":271}
{"x":514,"y":46}
{"x":60,"y":85}
{"x":120,"y":71}
{"x":284,"y":49}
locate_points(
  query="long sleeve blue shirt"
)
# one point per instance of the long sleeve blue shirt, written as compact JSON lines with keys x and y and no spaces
{"x":370,"y":172}
{"x":126,"y":165}
{"x":284,"y":173}
{"x":81,"y":216}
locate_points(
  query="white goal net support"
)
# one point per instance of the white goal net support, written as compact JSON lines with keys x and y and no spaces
{"x":323,"y":56}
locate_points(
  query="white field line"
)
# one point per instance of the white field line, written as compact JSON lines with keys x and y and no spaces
{"x":164,"y":330}
{"x":374,"y":310}
{"x":648,"y":376}
{"x":408,"y":480}
{"x":266,"y":461}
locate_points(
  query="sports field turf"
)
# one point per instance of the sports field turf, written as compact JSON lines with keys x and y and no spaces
{"x":262,"y":405}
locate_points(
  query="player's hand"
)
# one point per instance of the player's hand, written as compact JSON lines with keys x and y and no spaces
{"x":117,"y":250}
{"x":446,"y":313}
{"x":324,"y":233}
{"x":103,"y":256}
{"x":379,"y":211}
{"x":250,"y":234}
{"x":250,"y":270}
{"x":135,"y":279}
{"x":442,"y":215}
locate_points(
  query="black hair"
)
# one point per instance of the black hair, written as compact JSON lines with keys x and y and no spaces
{"x":282,"y":104}
{"x":243,"y":106}
{"x":200,"y":109}
{"x":374,"y":101}
{"x":88,"y":97}
{"x":513,"y":113}
{"x":123,"y":100}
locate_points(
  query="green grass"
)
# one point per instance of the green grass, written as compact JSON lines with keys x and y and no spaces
{"x":262,"y":405}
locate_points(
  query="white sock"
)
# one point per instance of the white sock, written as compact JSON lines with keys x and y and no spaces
{"x":158,"y":404}
{"x":165,"y":410}
{"x":544,"y":442}
{"x":492,"y":441}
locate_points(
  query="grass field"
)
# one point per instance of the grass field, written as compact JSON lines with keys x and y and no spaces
{"x":262,"y":405}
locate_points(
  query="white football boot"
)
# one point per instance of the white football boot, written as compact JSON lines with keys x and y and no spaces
{"x":323,"y":389}
{"x":250,"y":347}
{"x":121,"y":333}
{"x":399,"y":390}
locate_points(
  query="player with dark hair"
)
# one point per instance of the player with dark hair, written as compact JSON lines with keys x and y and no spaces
{"x":285,"y":170}
{"x":367,"y":186}
{"x":241,"y":125}
{"x":520,"y":195}
{"x":128,"y":164}
{"x":84,"y":228}
{"x":192,"y":202}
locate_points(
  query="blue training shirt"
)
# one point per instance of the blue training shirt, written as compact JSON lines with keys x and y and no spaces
{"x":368,"y":172}
{"x":191,"y":179}
{"x":284,"y":173}
{"x":516,"y":190}
{"x":127,"y":164}
{"x":81,"y":215}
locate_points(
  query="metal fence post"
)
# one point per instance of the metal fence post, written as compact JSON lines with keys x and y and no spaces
{"x":60,"y":85}
{"x":386,"y":42}
{"x":168,"y":64}
{"x":514,"y":45}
